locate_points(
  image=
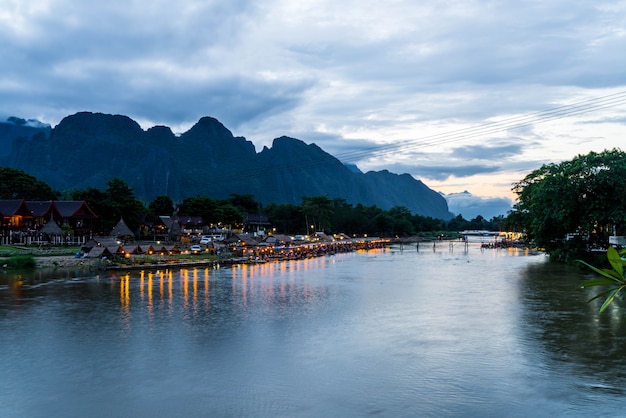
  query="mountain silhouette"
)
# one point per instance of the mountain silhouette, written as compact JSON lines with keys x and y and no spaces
{"x":88,"y":149}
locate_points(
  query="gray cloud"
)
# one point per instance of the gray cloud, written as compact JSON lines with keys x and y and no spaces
{"x":440,"y":172}
{"x":352,"y":80}
{"x":482,"y":152}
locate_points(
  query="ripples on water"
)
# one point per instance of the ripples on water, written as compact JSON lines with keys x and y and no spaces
{"x":452,"y":331}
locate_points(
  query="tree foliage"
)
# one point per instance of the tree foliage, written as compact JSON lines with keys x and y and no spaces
{"x":318,"y":210}
{"x":212,"y":211}
{"x":16,"y":184}
{"x":340,"y":216}
{"x":116,"y":202}
{"x":586,"y":196}
{"x":161,"y":205}
{"x":325,"y":214}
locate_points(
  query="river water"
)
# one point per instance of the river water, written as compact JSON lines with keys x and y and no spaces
{"x":445,"y":331}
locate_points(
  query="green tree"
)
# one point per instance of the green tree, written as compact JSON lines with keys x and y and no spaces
{"x":346,"y":218}
{"x":98,"y":202}
{"x":116,"y":202}
{"x":287,"y":218}
{"x":245,"y":203}
{"x":427,"y":223}
{"x":123,"y":203}
{"x":401,"y":217}
{"x":161,"y":205}
{"x":202,"y":206}
{"x":372,"y":219}
{"x":16,"y":184}
{"x":586,"y":196}
{"x":497,"y":223}
{"x":458,"y":223}
{"x":478,"y":223}
{"x":229,"y":214}
{"x":318,"y":210}
{"x":211,"y":211}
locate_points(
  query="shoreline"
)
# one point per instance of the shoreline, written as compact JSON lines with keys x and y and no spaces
{"x":46,"y":261}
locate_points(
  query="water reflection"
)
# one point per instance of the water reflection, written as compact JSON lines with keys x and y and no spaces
{"x":448,"y":332}
{"x":571,"y":330}
{"x":191,"y":291}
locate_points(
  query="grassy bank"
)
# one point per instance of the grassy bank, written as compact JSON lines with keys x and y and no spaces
{"x":37,"y":251}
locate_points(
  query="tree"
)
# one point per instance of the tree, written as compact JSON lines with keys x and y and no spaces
{"x":123,"y":203}
{"x":458,"y":223}
{"x":116,"y":202}
{"x":245,"y":203}
{"x":478,"y":223}
{"x":202,"y":206}
{"x":286,"y":217}
{"x":318,"y":209}
{"x":210,"y":210}
{"x":161,"y":205}
{"x":584,"y":197}
{"x":401,"y":217}
{"x":16,"y":184}
{"x":98,"y":202}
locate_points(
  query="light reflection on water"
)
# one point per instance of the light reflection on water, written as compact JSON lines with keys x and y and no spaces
{"x":449,"y":331}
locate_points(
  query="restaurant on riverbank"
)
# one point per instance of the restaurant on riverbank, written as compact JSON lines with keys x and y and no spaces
{"x":24,"y":221}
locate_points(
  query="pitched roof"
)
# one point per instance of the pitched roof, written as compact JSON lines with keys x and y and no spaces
{"x":166,"y":220}
{"x":42,"y":208}
{"x":244,"y":239}
{"x":188,"y":220}
{"x":132,"y":249}
{"x":255,"y":219}
{"x":277,"y":239}
{"x":74,"y":209}
{"x":322,"y":236}
{"x":14,"y":207}
{"x":51,"y":228}
{"x":121,"y":230}
{"x":175,"y":229}
{"x":97,"y":252}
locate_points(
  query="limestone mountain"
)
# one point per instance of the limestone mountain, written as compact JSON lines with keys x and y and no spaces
{"x":88,"y":149}
{"x":14,"y":130}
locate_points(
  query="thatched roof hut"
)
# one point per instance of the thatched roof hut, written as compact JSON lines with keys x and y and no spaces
{"x":51,"y":228}
{"x":175,"y":230}
{"x":122,"y":230}
{"x":99,"y":252}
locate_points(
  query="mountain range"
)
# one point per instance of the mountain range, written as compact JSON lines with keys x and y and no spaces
{"x":88,"y":149}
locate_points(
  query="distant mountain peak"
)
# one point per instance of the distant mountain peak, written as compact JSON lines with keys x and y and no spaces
{"x":206,"y":160}
{"x":30,"y":123}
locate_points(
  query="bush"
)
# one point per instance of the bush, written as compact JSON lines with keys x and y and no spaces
{"x":21,"y":262}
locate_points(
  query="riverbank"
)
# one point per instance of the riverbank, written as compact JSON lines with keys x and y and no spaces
{"x":67,"y":257}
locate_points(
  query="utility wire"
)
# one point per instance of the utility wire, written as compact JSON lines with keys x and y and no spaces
{"x":458,"y":135}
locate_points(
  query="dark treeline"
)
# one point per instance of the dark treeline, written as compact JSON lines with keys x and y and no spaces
{"x":315,"y":213}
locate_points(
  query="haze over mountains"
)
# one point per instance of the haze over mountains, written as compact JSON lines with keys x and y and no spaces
{"x":88,"y":149}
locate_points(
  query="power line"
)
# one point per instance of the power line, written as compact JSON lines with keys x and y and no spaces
{"x":515,"y":122}
{"x":457,"y":135}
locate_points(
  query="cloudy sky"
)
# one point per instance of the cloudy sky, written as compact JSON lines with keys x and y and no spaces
{"x":464,"y":95}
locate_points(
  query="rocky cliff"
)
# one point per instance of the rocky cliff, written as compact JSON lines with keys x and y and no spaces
{"x":88,"y":149}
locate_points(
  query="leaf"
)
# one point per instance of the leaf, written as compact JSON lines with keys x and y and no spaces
{"x":609,"y":299}
{"x":616,"y":261}
{"x":601,"y":294}
{"x":610,"y":274}
{"x":597,"y":282}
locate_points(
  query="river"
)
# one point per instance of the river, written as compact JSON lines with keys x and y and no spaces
{"x":400,"y":332}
